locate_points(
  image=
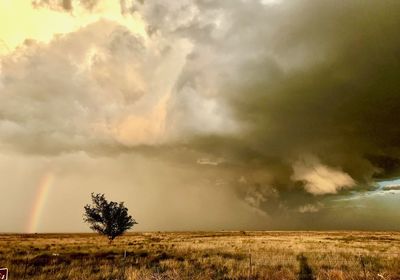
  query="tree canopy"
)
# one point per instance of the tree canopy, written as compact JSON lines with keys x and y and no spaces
{"x":108,"y":218}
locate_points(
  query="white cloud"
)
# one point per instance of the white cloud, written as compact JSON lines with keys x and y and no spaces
{"x":98,"y":86}
{"x":310,"y":208}
{"x":320,"y":179}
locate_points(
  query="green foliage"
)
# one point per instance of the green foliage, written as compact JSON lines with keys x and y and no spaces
{"x":108,"y":218}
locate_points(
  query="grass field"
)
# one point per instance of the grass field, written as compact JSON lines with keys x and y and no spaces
{"x":203,"y":255}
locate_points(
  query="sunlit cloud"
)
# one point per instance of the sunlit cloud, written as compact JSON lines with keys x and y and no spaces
{"x":21,"y":21}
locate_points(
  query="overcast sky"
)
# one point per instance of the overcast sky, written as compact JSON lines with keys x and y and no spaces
{"x":200,"y":114}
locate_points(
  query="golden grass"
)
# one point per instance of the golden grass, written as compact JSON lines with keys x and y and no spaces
{"x":202,"y":255}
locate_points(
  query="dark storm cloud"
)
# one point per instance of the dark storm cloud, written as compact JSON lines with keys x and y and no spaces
{"x":298,"y":78}
{"x":306,"y":77}
{"x":312,"y":85}
{"x":287,"y":103}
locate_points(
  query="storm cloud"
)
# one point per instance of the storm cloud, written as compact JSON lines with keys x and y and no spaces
{"x":283,"y":105}
{"x":302,"y":78}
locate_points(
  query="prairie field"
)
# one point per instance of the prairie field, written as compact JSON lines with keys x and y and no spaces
{"x":203,"y":255}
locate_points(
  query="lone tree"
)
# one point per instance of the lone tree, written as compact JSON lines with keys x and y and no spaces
{"x":108,"y":218}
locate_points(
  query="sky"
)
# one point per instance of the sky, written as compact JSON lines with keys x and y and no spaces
{"x":201,"y":114}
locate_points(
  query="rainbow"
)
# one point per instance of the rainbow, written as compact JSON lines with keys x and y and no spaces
{"x":42,"y":193}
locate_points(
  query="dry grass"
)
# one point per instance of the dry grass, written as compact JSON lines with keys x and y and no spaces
{"x":203,"y":255}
